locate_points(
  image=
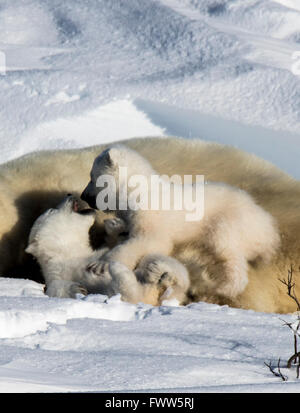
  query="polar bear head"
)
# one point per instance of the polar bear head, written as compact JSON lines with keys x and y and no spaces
{"x":61,"y":231}
{"x":120,"y":163}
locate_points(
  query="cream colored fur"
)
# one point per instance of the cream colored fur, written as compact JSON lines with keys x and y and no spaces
{"x":33,"y":183}
{"x":224,"y":229}
{"x":59,"y":240}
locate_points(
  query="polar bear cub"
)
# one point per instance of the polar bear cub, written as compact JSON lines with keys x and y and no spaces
{"x":167,"y":273}
{"x":234,"y":229}
{"x":59,"y":240}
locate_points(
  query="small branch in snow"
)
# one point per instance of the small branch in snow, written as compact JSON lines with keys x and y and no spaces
{"x":278,"y":372}
{"x":291,"y":286}
{"x":295,"y":327}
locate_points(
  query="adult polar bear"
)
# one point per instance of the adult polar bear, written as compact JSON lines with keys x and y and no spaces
{"x":33,"y":183}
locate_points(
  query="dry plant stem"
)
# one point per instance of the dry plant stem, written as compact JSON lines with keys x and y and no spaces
{"x":291,"y":286}
{"x":277,"y":374}
{"x":291,"y":293}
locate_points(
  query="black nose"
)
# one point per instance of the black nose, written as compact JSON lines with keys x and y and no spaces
{"x":90,"y":200}
{"x":83,"y":195}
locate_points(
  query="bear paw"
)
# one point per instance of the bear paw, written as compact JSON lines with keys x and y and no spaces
{"x":154,"y":271}
{"x":167,"y":279}
{"x":77,"y":289}
{"x":98,"y":268}
{"x":64,"y":289}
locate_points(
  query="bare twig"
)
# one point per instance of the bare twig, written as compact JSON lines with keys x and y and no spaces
{"x":291,"y":286}
{"x":278,"y":373}
{"x":291,"y":359}
{"x":295,"y":358}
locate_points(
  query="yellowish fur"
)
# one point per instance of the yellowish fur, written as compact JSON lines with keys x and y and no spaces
{"x":59,"y":240}
{"x":31,"y":184}
{"x":224,"y":228}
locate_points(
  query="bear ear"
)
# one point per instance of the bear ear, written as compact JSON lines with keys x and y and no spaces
{"x":114,"y":155}
{"x":106,"y":156}
{"x":109,"y":158}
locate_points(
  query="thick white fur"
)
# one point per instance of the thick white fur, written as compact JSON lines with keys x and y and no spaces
{"x":59,"y":240}
{"x":234,"y":228}
{"x":35,"y":182}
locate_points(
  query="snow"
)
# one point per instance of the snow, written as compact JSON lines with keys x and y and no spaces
{"x":95,"y":344}
{"x":96,"y":125}
{"x":83,"y":72}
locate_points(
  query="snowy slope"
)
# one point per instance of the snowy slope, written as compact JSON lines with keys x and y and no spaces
{"x":81,"y":72}
{"x":66,"y":60}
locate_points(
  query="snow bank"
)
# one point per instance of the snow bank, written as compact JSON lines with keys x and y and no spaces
{"x":68,"y":61}
{"x":253,"y":139}
{"x":20,"y":317}
{"x":93,"y":344}
{"x":108,"y":123}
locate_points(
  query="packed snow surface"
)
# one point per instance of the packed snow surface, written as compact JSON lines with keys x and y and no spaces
{"x":75,"y":73}
{"x":99,"y":344}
